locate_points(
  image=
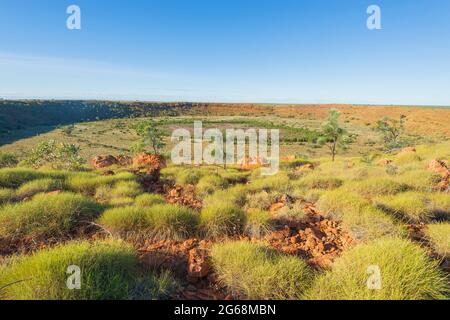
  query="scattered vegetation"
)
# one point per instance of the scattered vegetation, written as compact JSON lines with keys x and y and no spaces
{"x":253,"y":271}
{"x":405,"y":273}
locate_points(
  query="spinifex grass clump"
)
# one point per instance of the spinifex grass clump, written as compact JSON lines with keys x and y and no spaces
{"x":222,"y":219}
{"x":148,"y":200}
{"x":209,"y":184}
{"x":34,"y":187}
{"x":126,"y":189}
{"x":87,"y":183}
{"x":405,"y":273}
{"x":416,"y":206}
{"x":14,"y":178}
{"x":357,"y":215}
{"x":108,"y":271}
{"x":47,"y":216}
{"x":162,"y":221}
{"x":439,"y":236}
{"x":258,"y":223}
{"x":373,"y":187}
{"x":172,"y":221}
{"x":6,"y":195}
{"x":253,"y":271}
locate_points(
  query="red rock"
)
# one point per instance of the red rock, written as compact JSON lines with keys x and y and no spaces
{"x":198,"y":265}
{"x":103,"y":161}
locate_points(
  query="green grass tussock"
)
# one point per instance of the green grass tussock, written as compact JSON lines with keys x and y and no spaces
{"x":406,"y":272}
{"x":129,"y":189}
{"x":209,"y":184}
{"x":6,"y":196}
{"x":222,"y":219}
{"x":108,"y":271}
{"x":373,"y":187}
{"x":253,"y":271}
{"x":163,"y":221}
{"x":415,"y":206}
{"x":258,"y":223}
{"x":148,"y":200}
{"x":34,"y":187}
{"x":47,"y":216}
{"x":439,"y":236}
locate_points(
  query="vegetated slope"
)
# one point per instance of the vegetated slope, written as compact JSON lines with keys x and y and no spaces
{"x":15,"y":115}
{"x":22,"y":114}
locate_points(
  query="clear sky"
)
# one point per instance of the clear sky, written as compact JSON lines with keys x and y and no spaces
{"x":292,"y":51}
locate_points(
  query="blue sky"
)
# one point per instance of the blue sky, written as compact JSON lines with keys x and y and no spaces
{"x":286,"y":51}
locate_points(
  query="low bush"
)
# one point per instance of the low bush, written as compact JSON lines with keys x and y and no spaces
{"x":406,"y":273}
{"x":261,"y":200}
{"x":108,"y":271}
{"x":252,"y":271}
{"x":222,"y":220}
{"x":47,"y":216}
{"x":317,"y":181}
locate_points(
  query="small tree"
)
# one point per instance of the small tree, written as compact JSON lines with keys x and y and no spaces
{"x":392,"y":131}
{"x":150,"y":135}
{"x":332,"y":134}
{"x":57,"y":155}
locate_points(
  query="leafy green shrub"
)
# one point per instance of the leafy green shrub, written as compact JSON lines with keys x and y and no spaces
{"x":222,"y":219}
{"x":7,"y":160}
{"x":253,"y":271}
{"x":57,"y":155}
{"x":7,"y":195}
{"x":108,"y":271}
{"x":406,"y":274}
{"x":148,"y":200}
{"x":46,"y":216}
{"x":258,"y":223}
{"x":31,"y":188}
{"x":439,"y":236}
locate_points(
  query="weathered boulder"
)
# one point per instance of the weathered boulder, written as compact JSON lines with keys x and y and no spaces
{"x":103,"y":161}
